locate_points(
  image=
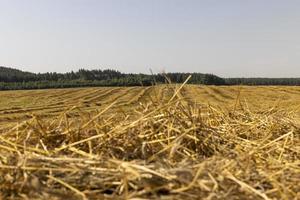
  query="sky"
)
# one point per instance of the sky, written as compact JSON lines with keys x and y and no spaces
{"x":232,"y":38}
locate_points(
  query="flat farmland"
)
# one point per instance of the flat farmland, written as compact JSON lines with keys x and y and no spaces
{"x":160,"y":142}
{"x":20,"y":105}
{"x":16,"y":106}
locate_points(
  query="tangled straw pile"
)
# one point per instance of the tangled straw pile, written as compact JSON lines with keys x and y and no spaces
{"x":160,"y":151}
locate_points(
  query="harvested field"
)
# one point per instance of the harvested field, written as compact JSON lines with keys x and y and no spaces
{"x":162,"y":142}
{"x":16,"y":106}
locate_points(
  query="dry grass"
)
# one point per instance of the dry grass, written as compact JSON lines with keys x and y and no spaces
{"x":162,"y":150}
{"x":18,"y":106}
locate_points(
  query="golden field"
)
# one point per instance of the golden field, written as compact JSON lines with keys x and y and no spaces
{"x":16,"y":106}
{"x":161,"y":142}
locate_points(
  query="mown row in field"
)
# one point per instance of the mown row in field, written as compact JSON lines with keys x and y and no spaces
{"x":19,"y":105}
{"x":160,"y":142}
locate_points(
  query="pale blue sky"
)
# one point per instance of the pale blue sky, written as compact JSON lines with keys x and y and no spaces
{"x":226,"y":37}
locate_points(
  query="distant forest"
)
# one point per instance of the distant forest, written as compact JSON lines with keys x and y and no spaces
{"x":12,"y":79}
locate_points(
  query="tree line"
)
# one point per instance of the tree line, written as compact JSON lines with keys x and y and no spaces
{"x":263,"y":81}
{"x":12,"y":79}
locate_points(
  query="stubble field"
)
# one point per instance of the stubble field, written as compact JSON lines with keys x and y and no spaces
{"x":16,"y":106}
{"x":161,"y":142}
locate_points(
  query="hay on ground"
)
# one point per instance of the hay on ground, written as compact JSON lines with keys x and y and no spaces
{"x":161,"y":151}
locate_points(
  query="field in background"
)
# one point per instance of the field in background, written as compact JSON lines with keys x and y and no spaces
{"x":162,"y":142}
{"x":16,"y":106}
